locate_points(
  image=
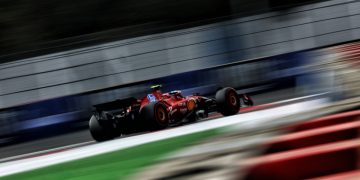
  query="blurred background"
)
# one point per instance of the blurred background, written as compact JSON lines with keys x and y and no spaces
{"x":58,"y":58}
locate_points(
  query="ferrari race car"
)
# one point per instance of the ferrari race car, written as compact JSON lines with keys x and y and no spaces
{"x":159,"y":110}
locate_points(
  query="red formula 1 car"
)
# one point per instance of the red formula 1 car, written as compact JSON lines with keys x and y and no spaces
{"x":159,"y":110}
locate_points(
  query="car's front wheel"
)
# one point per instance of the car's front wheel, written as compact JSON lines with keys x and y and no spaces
{"x":227,"y":101}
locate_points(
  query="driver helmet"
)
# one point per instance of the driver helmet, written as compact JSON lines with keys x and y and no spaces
{"x":156,"y":88}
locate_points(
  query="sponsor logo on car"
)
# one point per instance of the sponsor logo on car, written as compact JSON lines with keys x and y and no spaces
{"x":183,"y":110}
{"x":173,"y":111}
{"x":151,"y":98}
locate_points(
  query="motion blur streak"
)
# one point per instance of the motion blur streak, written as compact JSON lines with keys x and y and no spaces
{"x":247,"y":120}
{"x":60,"y":58}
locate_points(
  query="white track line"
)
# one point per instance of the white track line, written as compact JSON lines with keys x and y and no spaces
{"x":261,"y":116}
{"x":300,"y":98}
{"x":39,"y":153}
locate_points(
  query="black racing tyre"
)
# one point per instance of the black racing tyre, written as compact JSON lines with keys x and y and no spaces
{"x":101,"y":132}
{"x":192,"y":117}
{"x":227,"y":101}
{"x":155,"y":115}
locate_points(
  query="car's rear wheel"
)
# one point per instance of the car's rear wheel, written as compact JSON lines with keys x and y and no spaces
{"x":155,"y":115}
{"x":101,"y":131}
{"x":227,"y":101}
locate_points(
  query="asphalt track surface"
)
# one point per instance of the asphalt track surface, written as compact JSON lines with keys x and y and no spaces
{"x":83,"y":137}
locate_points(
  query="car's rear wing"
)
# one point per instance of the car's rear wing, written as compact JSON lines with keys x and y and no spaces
{"x":117,"y":104}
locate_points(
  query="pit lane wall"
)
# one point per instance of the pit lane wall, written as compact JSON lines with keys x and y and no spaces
{"x":148,"y":57}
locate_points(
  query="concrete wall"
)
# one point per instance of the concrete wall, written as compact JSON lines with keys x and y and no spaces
{"x":159,"y":55}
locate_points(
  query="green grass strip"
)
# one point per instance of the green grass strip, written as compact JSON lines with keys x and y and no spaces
{"x":115,"y":165}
